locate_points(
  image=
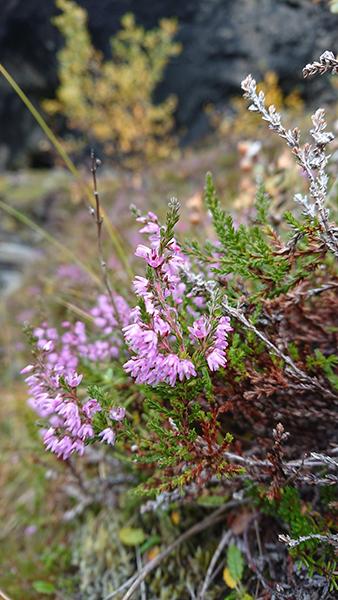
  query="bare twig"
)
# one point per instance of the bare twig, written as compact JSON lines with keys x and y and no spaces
{"x":190,"y":590}
{"x":95,"y":163}
{"x":197,"y":528}
{"x":306,"y":381}
{"x":259,"y":575}
{"x":122,"y":587}
{"x":139,"y":568}
{"x":99,"y":221}
{"x":327,"y":62}
{"x":4,"y":596}
{"x":77,"y":476}
{"x":293,"y":469}
{"x":313,"y":291}
{"x":223,"y":542}
{"x":292,"y":543}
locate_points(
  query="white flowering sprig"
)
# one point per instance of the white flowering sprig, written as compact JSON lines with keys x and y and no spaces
{"x":311,"y":157}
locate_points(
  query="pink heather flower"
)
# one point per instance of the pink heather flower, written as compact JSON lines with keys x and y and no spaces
{"x":73,"y":273}
{"x":91,"y":407}
{"x":199,"y":301}
{"x":141,"y":285}
{"x":186,"y":369}
{"x":216,"y":359}
{"x":216,"y":353}
{"x":73,"y":379}
{"x":118,"y":413}
{"x":224,"y":325}
{"x":108,"y":435}
{"x":159,"y":368}
{"x":86,"y":431}
{"x":141,"y":339}
{"x":200,"y":329}
{"x":152,"y":228}
{"x":27,"y":369}
{"x":174,"y":367}
{"x":150,"y":255}
{"x":142,"y":251}
{"x":68,"y":422}
{"x":30,"y":530}
{"x":155,"y":340}
{"x":48,"y":346}
{"x":150,"y":216}
{"x":160,"y":326}
{"x":78,"y":447}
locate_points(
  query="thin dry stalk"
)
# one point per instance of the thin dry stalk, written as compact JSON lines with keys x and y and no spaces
{"x":225,"y":539}
{"x":97,"y":213}
{"x":306,"y":381}
{"x":195,"y":529}
{"x":292,"y":543}
{"x":99,"y":221}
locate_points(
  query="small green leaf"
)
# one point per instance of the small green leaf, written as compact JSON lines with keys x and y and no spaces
{"x":235,"y":562}
{"x":44,"y":587}
{"x":132,"y":536}
{"x":152,"y":541}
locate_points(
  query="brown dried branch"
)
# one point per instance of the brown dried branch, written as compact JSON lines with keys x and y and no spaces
{"x":99,"y":221}
{"x":291,"y":470}
{"x":297,"y":294}
{"x":305,"y":380}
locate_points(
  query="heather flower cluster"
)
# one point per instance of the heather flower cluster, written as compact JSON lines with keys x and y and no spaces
{"x":156,"y":335}
{"x":166,"y":333}
{"x":213,"y":342}
{"x":55,"y":398}
{"x":53,"y":380}
{"x":74,"y":343}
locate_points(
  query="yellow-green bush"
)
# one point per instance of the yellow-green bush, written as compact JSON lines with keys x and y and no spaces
{"x":112,"y":100}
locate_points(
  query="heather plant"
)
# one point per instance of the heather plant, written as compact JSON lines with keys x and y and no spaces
{"x":215,"y":381}
{"x":111,"y":101}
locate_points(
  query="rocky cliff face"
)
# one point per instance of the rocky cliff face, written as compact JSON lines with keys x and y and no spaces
{"x":222,"y":41}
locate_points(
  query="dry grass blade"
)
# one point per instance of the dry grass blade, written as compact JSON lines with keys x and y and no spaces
{"x":197,"y":528}
{"x":17,"y":214}
{"x":223,"y":542}
{"x":113,"y":232}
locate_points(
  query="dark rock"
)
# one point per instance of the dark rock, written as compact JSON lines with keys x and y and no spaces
{"x":222,"y":41}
